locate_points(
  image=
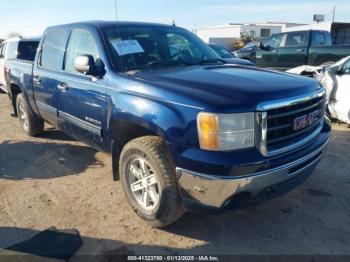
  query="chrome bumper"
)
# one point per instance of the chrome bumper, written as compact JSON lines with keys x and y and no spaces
{"x":215,"y":191}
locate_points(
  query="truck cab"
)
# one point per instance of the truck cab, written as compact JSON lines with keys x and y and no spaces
{"x":185,"y":129}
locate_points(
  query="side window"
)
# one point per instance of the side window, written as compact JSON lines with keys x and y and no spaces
{"x":1,"y":51}
{"x":274,"y":41}
{"x":321,"y":38}
{"x":27,"y":50}
{"x":80,"y":42}
{"x":346,"y":68}
{"x":52,"y":47}
{"x":296,"y":39}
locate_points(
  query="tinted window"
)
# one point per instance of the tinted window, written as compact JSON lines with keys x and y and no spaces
{"x":1,"y":50}
{"x":27,"y":50}
{"x":11,"y":51}
{"x":321,"y":38}
{"x":274,"y":41}
{"x":80,"y":43}
{"x":296,"y":39}
{"x":52,"y":49}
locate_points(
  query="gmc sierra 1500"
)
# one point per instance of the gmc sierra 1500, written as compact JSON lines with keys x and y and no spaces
{"x":186,"y":130}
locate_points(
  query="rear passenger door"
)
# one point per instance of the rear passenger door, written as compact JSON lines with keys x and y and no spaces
{"x":46,"y":74}
{"x":294,"y":49}
{"x":83,"y":102}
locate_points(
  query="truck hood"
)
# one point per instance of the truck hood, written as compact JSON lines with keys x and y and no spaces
{"x":226,"y":87}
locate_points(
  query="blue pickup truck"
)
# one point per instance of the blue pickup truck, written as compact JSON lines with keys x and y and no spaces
{"x":186,"y":130}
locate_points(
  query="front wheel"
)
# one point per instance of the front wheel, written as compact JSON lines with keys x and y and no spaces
{"x":149,"y":181}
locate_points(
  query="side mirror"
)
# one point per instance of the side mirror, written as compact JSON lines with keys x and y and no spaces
{"x":85,"y":64}
{"x":263,"y":47}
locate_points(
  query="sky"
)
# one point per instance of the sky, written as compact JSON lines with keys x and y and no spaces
{"x":30,"y":18}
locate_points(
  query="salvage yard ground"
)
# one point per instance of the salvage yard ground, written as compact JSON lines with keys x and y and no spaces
{"x":53,"y":180}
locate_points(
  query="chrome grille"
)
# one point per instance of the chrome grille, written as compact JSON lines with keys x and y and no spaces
{"x":279,"y":134}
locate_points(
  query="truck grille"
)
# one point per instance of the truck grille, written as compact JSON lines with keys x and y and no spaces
{"x":282,"y":122}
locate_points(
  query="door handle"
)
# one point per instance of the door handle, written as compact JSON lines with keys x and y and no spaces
{"x":37,"y":79}
{"x":300,"y":50}
{"x":274,"y":51}
{"x":63,"y":86}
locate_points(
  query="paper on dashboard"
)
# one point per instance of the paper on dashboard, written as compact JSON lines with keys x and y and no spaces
{"x":125,"y":47}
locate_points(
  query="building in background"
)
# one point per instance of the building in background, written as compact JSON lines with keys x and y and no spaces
{"x":340,"y":31}
{"x":227,"y":35}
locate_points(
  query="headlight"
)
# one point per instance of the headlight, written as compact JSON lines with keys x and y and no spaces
{"x":225,"y":131}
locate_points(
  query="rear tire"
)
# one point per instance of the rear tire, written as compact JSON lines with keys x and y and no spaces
{"x":149,"y":181}
{"x":30,"y":123}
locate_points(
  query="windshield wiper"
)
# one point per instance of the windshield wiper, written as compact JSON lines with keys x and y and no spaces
{"x":211,"y":61}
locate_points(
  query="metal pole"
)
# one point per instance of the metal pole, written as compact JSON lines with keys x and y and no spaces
{"x":333,"y":14}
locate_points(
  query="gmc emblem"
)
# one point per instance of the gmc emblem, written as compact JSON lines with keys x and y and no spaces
{"x":305,"y":120}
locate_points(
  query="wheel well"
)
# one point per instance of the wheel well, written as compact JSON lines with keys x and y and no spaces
{"x":15,"y":90}
{"x":124,"y":132}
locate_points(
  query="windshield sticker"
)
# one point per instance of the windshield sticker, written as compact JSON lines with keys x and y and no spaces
{"x":125,"y":47}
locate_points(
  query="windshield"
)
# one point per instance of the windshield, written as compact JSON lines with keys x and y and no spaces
{"x":221,"y":51}
{"x":142,"y":47}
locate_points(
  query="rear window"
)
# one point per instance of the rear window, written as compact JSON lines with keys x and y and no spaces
{"x":52,"y":50}
{"x":27,"y":50}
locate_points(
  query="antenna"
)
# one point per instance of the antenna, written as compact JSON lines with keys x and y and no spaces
{"x":118,"y":31}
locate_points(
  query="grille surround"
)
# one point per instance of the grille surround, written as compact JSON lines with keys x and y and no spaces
{"x":284,"y":106}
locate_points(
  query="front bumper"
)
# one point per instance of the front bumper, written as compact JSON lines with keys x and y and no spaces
{"x":211,"y":192}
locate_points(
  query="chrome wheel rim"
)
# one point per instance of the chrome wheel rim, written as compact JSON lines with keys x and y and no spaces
{"x":143,"y":183}
{"x":23,"y":116}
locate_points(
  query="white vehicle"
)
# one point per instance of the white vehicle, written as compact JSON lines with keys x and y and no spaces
{"x":16,"y":48}
{"x":336,"y":79}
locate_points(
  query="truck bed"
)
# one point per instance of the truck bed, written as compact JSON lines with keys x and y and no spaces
{"x":323,"y":54}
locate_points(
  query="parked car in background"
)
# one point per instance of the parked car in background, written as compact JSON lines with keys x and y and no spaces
{"x":16,"y":48}
{"x":247,"y":52}
{"x":221,"y":51}
{"x":228,"y":57}
{"x":291,"y":49}
{"x":186,"y":130}
{"x":336,"y":79}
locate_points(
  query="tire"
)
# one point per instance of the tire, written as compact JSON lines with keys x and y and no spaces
{"x":157,"y":163}
{"x":30,"y":123}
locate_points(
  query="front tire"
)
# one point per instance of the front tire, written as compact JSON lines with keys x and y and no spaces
{"x":30,"y":123}
{"x":149,"y":181}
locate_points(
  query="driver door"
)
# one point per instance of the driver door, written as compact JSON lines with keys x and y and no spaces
{"x":267,"y":55}
{"x":82,"y":98}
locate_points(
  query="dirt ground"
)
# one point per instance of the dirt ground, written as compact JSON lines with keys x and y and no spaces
{"x":53,"y":180}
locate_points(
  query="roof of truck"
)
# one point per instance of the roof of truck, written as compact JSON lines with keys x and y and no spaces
{"x":102,"y":24}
